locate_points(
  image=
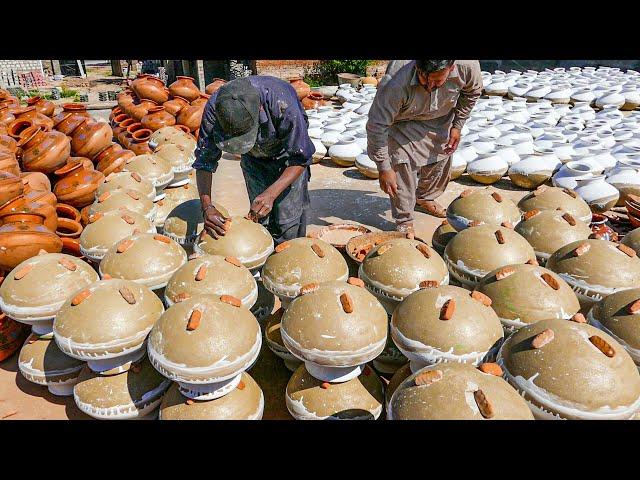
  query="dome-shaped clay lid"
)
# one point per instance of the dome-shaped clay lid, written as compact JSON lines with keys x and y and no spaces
{"x":164,"y":135}
{"x":105,"y":230}
{"x":127,"y":181}
{"x":442,"y":236}
{"x":445,"y":324}
{"x":204,"y":339}
{"x":212,"y":275}
{"x":475,"y":251}
{"x":523,"y":294}
{"x":42,"y":362}
{"x":151,"y":167}
{"x":146,"y":258}
{"x":244,"y":402}
{"x":456,"y":391}
{"x":397,"y":267}
{"x":39,"y":286}
{"x":548,"y":230}
{"x":248,"y":241}
{"x":632,"y":240}
{"x":189,"y":191}
{"x":134,"y":393}
{"x":482,"y":205}
{"x":570,"y":369}
{"x":357,"y":399}
{"x":131,"y":200}
{"x":335,"y":324}
{"x":300,"y":262}
{"x":186,"y":141}
{"x":179,"y":158}
{"x":596,"y":267}
{"x":185,"y":222}
{"x":619,"y":315}
{"x":551,"y":198}
{"x":106,"y":318}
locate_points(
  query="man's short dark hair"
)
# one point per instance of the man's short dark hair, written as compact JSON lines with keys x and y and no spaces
{"x":429,"y":66}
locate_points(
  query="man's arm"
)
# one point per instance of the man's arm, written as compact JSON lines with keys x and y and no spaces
{"x":469,"y":93}
{"x":384,"y":109}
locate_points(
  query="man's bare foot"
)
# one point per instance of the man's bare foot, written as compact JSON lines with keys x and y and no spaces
{"x":431,"y":207}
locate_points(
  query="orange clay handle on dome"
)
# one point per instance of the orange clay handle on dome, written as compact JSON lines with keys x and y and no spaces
{"x":491,"y":368}
{"x":194,"y":320}
{"x":497,"y":197}
{"x":602,"y":345}
{"x":507,"y":224}
{"x":124,"y":245}
{"x":630,"y":252}
{"x":233,"y":261}
{"x":162,"y":238}
{"x":181,"y":297}
{"x":578,"y":318}
{"x":20,"y":274}
{"x":240,"y":385}
{"x":429,"y":377}
{"x":549,"y":280}
{"x":543,"y":338}
{"x":325,"y":385}
{"x":531,"y":213}
{"x":128,"y":218}
{"x":569,"y":219}
{"x":80,"y":297}
{"x":127,"y":295}
{"x":466,"y":193}
{"x":505,"y":272}
{"x":136,"y":177}
{"x":190,"y":401}
{"x":309,"y":287}
{"x":347,"y":303}
{"x":484,"y":405}
{"x":133,"y":194}
{"x":104,"y":196}
{"x":410,"y":236}
{"x":201,"y":273}
{"x":500,"y":237}
{"x":383,"y":249}
{"x":448,"y":309}
{"x":429,"y":284}
{"x":282,"y":247}
{"x":68,"y":264}
{"x":230,"y":300}
{"x":481,"y":297}
{"x":582,"y":249}
{"x":356,"y":282}
{"x":318,"y":250}
{"x":424,"y":250}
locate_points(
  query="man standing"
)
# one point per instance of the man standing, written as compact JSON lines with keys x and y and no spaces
{"x":414,"y":127}
{"x":260,"y":118}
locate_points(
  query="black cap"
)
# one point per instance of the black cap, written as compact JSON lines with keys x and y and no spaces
{"x":237,"y":106}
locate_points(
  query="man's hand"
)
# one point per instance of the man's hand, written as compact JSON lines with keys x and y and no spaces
{"x":452,"y":143}
{"x":214,"y":221}
{"x":389,"y":182}
{"x":263,"y":204}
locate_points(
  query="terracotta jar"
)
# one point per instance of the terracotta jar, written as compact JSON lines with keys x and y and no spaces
{"x":90,"y":138}
{"x":10,"y":187}
{"x":112,"y":159}
{"x":17,"y":127}
{"x":41,"y":196}
{"x":71,"y":116}
{"x":214,"y":86}
{"x":8,"y":162}
{"x":37,"y":118}
{"x":8,"y":143}
{"x":71,"y":246}
{"x":139,"y":110}
{"x":174,"y":105}
{"x":115,"y":111}
{"x":313,"y":100}
{"x":301,"y":88}
{"x":191,"y":117}
{"x":150,"y":87}
{"x":77,"y":184}
{"x":11,"y":102}
{"x":156,"y":118}
{"x":6,"y":117}
{"x":22,"y":236}
{"x":184,"y":87}
{"x":43,"y":106}
{"x":35,"y":181}
{"x":126,"y":137}
{"x":121,"y":130}
{"x":68,"y":228}
{"x":139,"y":144}
{"x":44,"y":151}
{"x":22,"y":204}
{"x":116,"y":120}
{"x":124,"y":98}
{"x":67,"y":211}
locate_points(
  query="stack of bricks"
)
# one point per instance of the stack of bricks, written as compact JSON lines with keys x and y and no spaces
{"x":23,"y":73}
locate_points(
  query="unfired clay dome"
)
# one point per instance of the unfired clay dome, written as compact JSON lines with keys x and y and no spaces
{"x":360,"y":398}
{"x":337,"y":324}
{"x":300,"y":262}
{"x":174,"y":196}
{"x":146,"y":258}
{"x":182,"y":347}
{"x":164,"y":135}
{"x":132,"y":394}
{"x":41,"y":362}
{"x":179,"y":158}
{"x":442,"y":236}
{"x":524,"y":294}
{"x":153,"y":168}
{"x":185,"y":222}
{"x":483,"y":205}
{"x":552,"y":198}
{"x":106,"y":320}
{"x":248,"y":241}
{"x":127,"y":181}
{"x":571,"y":370}
{"x":632,"y":240}
{"x":596,"y":268}
{"x":475,"y":251}
{"x":618,"y":316}
{"x":105,"y":230}
{"x":212,"y":275}
{"x":548,"y":230}
{"x":131,"y":200}
{"x":34,"y":291}
{"x":456,"y":391}
{"x":445,"y":324}
{"x":245,"y":402}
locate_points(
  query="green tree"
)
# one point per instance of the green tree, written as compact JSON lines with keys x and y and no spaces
{"x":325,"y":72}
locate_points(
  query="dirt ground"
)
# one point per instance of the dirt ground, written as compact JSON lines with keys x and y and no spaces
{"x":337,"y":195}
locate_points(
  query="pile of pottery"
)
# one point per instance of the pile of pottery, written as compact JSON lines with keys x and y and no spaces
{"x":563,"y":126}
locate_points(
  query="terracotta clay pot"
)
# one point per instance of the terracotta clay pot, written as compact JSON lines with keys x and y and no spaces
{"x":139,"y":144}
{"x":184,"y":87}
{"x":8,"y":143}
{"x":112,"y":159}
{"x":43,"y":106}
{"x":116,"y":120}
{"x":17,"y":127}
{"x":8,"y":163}
{"x":126,"y":137}
{"x":67,"y":211}
{"x":202,"y":100}
{"x":41,"y":196}
{"x":115,"y":111}
{"x":71,"y":116}
{"x":124,"y":98}
{"x":156,"y":118}
{"x":77,"y":184}
{"x":35,"y":181}
{"x":90,"y":138}
{"x":121,"y":130}
{"x":6,"y":117}
{"x":150,"y":87}
{"x":174,"y":105}
{"x":139,"y":110}
{"x":191,"y":117}
{"x":11,"y":102}
{"x":68,"y":228}
{"x":71,"y":246}
{"x":21,"y":204}
{"x":43,"y":151}
{"x":22,"y":236}
{"x":214,"y":86}
{"x":313,"y":100}
{"x":12,"y":336}
{"x":36,"y":118}
{"x":11,"y":186}
{"x":302,"y":89}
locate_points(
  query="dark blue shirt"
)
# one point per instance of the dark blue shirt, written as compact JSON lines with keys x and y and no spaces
{"x":282,"y":135}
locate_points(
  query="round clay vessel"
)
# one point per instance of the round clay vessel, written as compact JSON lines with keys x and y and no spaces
{"x":150,"y":167}
{"x":445,"y":324}
{"x":126,"y":181}
{"x":476,"y":251}
{"x":43,"y":151}
{"x":214,"y":86}
{"x":184,"y":223}
{"x":77,"y":185}
{"x":559,"y":370}
{"x":119,"y":200}
{"x":181,"y":162}
{"x":483,"y":205}
{"x":174,"y":105}
{"x":42,"y":106}
{"x":184,"y":87}
{"x":442,"y":236}
{"x":191,"y":117}
{"x":11,"y":186}
{"x":22,"y":236}
{"x":150,"y":87}
{"x":156,"y":118}
{"x":302,"y":89}
{"x":163,"y":135}
{"x":245,"y":402}
{"x":71,"y":116}
{"x":552,"y":198}
{"x":453,"y":396}
{"x":36,"y":118}
{"x":90,"y":138}
{"x":22,"y":204}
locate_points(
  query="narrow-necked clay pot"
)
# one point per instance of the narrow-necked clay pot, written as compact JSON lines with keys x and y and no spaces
{"x":174,"y":105}
{"x":150,"y":87}
{"x":214,"y":86}
{"x":43,"y":151}
{"x":156,"y":118}
{"x":112,"y":159}
{"x":139,"y":142}
{"x":90,"y":138}
{"x":35,"y":117}
{"x":22,"y":236}
{"x":43,"y":106}
{"x":67,"y":211}
{"x":191,"y":117}
{"x":72,"y":115}
{"x":184,"y":87}
{"x":77,"y":185}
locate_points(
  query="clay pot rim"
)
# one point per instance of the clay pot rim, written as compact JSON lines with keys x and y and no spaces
{"x":115,"y":118}
{"x":63,"y":209}
{"x":131,"y":123}
{"x":29,"y":134}
{"x":155,"y":104}
{"x":137,"y":126}
{"x":71,"y":245}
{"x":29,"y":213}
{"x":72,"y":164}
{"x":182,"y":128}
{"x":12,"y":129}
{"x":33,"y":100}
{"x":178,"y":97}
{"x":68,"y":223}
{"x":158,"y":108}
{"x":315,"y":96}
{"x":184,"y":76}
{"x":142,"y":134}
{"x":22,"y":110}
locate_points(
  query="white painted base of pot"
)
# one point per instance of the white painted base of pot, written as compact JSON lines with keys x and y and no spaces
{"x":333,"y":374}
{"x":102,"y":365}
{"x":62,"y":390}
{"x":179,"y":183}
{"x":209,"y":391}
{"x":159,"y":196}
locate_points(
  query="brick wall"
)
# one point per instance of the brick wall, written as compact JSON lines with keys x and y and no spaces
{"x":284,"y":68}
{"x":9,"y":70}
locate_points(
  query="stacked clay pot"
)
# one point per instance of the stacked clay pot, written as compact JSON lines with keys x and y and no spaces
{"x":482,"y":206}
